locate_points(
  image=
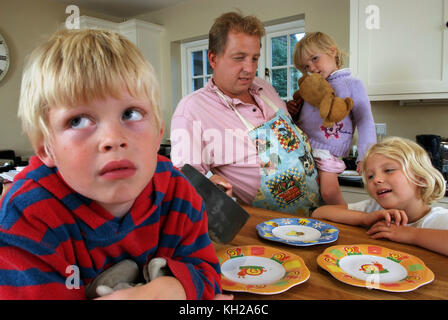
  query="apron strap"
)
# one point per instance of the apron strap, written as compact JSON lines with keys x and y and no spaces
{"x":269,"y":103}
{"x":248,"y":125}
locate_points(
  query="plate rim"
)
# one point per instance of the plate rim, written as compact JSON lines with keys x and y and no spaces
{"x":298,"y":243}
{"x":427,"y":277}
{"x":266,"y":290}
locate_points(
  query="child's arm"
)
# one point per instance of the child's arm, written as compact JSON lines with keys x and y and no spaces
{"x":162,"y":288}
{"x":432,"y":239}
{"x":341,"y":214}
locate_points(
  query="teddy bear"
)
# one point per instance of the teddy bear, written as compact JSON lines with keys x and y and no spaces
{"x":314,"y":89}
{"x":126,"y":274}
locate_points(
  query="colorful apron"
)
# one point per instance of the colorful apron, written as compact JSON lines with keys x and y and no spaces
{"x":289,"y":178}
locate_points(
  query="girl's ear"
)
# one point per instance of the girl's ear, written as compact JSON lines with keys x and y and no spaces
{"x":334,"y":52}
{"x":43,"y":151}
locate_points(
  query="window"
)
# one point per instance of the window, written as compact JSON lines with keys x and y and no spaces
{"x":275,"y":62}
{"x":196,"y":70}
{"x":279,"y":47}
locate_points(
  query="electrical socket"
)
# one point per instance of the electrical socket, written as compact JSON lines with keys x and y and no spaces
{"x":380,"y":129}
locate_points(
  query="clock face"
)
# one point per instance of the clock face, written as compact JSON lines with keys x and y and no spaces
{"x":4,"y":58}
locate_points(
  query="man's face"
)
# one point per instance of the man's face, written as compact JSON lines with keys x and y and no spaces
{"x":234,"y":69}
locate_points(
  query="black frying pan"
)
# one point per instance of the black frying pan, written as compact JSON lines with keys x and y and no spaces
{"x":225,"y":216}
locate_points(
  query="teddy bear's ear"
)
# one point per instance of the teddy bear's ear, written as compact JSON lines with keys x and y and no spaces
{"x":301,"y":79}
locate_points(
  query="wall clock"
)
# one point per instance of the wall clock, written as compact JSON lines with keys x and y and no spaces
{"x":4,"y":58}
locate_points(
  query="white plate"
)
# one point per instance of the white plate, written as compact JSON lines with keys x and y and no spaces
{"x":364,"y":267}
{"x":298,"y":231}
{"x":260,"y":269}
{"x":253,"y":270}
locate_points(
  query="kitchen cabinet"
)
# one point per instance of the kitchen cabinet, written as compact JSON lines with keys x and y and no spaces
{"x":355,"y":194}
{"x":399,"y":48}
{"x":146,"y":36}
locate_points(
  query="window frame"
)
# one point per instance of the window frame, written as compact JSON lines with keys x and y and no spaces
{"x":287,"y":28}
{"x":277,"y":30}
{"x":186,"y":63}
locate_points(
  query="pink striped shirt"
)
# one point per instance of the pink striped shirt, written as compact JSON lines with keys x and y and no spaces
{"x":207,"y":134}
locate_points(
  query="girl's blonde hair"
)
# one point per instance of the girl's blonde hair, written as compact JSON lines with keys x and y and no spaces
{"x":415,"y":163}
{"x":78,"y":66}
{"x":313,"y":43}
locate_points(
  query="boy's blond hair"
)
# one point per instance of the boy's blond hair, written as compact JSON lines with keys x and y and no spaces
{"x":312,"y":43}
{"x":77,"y":66}
{"x":415,"y":163}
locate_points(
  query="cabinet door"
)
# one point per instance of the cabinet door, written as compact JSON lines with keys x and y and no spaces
{"x":400,"y":47}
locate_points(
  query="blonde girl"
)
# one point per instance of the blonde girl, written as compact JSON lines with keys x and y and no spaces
{"x":318,"y":53}
{"x":402,"y":184}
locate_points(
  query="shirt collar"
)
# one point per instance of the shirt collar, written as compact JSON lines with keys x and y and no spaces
{"x":254,"y":89}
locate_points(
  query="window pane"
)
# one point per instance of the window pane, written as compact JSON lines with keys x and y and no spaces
{"x":279,"y":49}
{"x":198,"y":83}
{"x":294,"y":38}
{"x":209,"y":68}
{"x":295,"y":75}
{"x":197,"y":63}
{"x":279,"y":81}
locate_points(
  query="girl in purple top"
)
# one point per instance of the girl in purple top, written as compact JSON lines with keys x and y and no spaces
{"x":317,"y":52}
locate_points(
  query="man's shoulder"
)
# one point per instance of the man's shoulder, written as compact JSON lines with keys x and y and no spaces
{"x":195,"y":98}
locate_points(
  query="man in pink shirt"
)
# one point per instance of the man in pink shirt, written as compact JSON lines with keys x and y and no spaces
{"x":219,"y":128}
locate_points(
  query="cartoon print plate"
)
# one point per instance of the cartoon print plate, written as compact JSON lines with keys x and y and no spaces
{"x":375,"y":267}
{"x":298,"y":231}
{"x":260,"y":269}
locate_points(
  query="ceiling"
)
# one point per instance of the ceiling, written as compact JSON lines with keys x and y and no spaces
{"x":121,"y":8}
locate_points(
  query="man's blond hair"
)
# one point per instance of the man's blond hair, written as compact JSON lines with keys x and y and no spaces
{"x":232,"y":22}
{"x":77,"y":66}
{"x":415,"y":163}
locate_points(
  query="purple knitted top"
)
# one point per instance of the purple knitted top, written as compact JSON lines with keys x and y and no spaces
{"x":337,"y":139}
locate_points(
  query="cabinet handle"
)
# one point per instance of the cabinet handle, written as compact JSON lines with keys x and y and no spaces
{"x":446,"y":24}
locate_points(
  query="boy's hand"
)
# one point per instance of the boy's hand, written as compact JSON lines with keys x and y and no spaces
{"x":220,"y":296}
{"x":398,"y":217}
{"x":162,"y":288}
{"x":392,"y":232}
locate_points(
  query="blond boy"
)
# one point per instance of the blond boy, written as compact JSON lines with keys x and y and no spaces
{"x":97,"y":192}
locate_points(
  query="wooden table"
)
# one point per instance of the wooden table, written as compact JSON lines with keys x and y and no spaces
{"x":322,"y":285}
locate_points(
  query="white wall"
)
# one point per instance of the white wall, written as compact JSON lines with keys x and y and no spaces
{"x":192,"y":20}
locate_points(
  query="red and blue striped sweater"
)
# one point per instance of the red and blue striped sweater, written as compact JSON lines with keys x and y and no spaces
{"x":47,"y":232}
